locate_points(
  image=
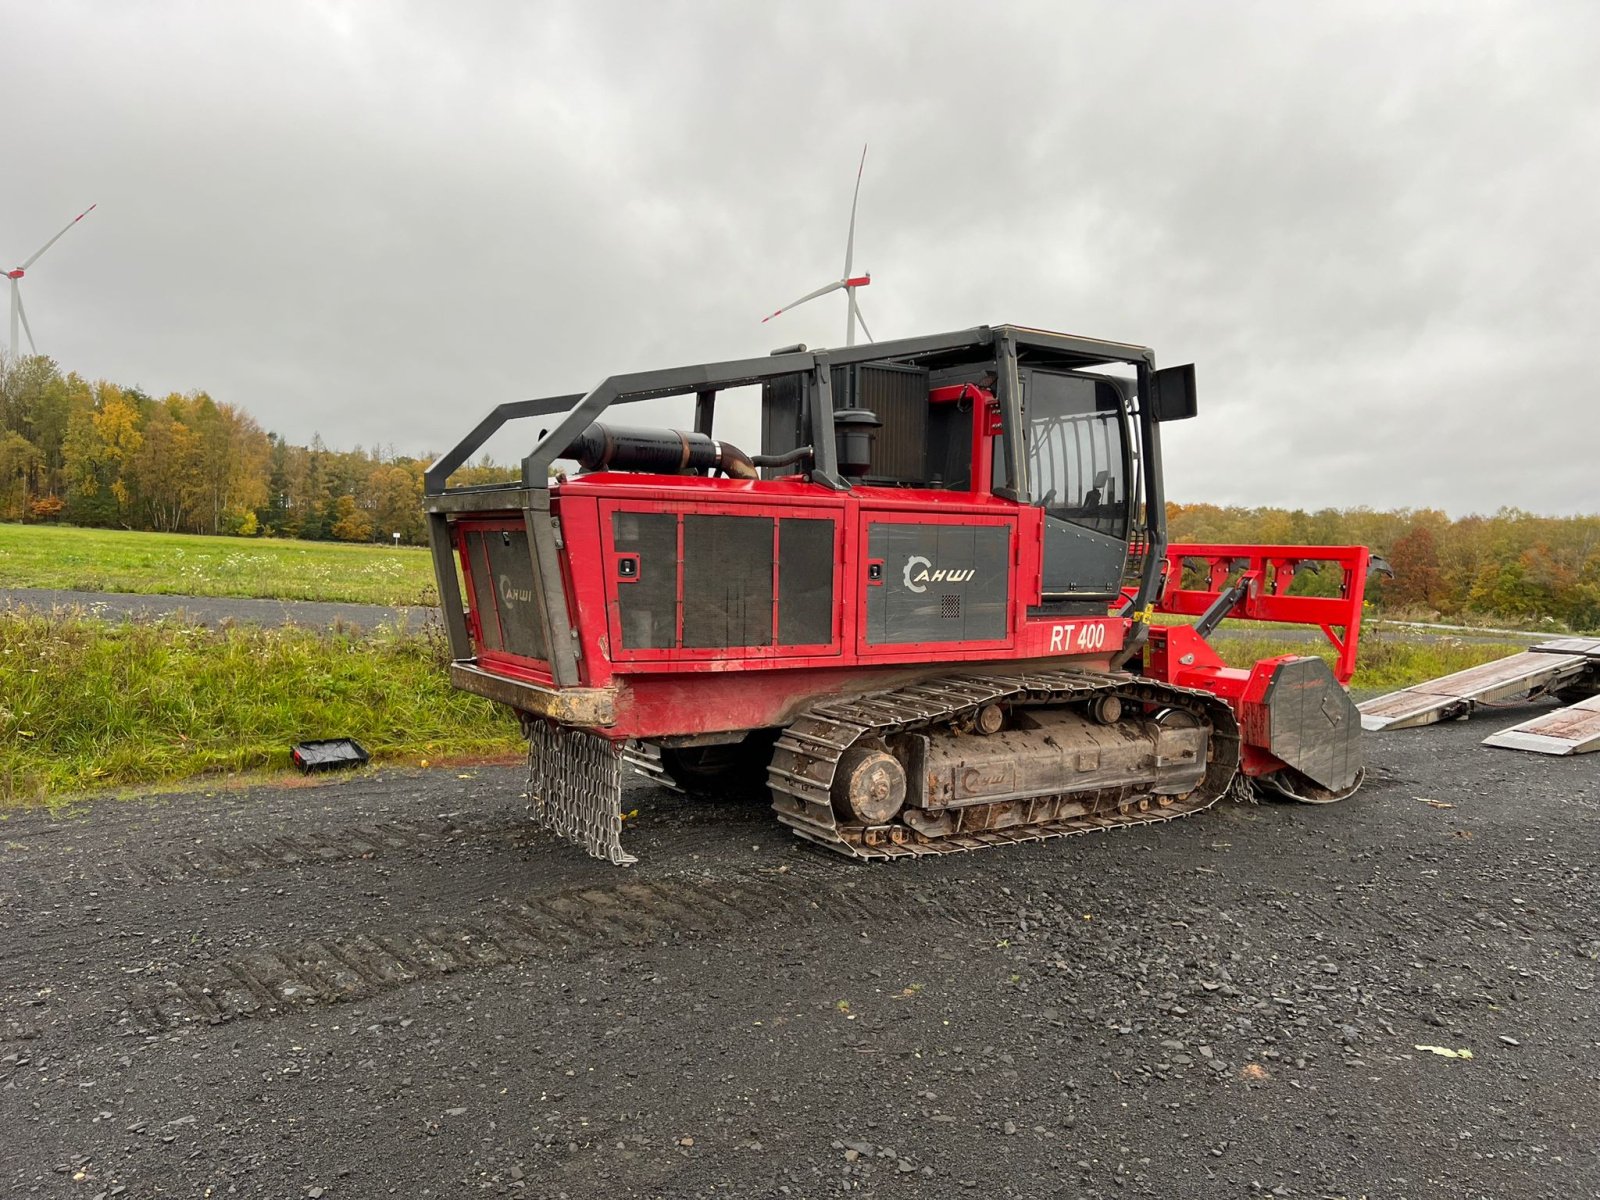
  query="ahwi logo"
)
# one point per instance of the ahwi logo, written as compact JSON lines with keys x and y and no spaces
{"x":510,"y":594}
{"x":919,"y":573}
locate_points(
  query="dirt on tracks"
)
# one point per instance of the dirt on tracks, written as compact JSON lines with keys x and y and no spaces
{"x":395,"y":985}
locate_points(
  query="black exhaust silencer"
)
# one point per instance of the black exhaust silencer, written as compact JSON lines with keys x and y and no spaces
{"x":657,"y":451}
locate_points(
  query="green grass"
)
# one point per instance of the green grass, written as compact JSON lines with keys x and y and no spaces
{"x":112,"y":560}
{"x":85,"y":703}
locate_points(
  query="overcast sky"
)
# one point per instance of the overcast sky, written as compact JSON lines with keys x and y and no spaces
{"x":1373,"y":227}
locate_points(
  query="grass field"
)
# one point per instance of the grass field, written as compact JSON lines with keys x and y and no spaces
{"x":85,"y":703}
{"x":111,"y":560}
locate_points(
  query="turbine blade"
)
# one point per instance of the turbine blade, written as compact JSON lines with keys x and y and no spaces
{"x":821,"y":291}
{"x":57,"y":237}
{"x":850,"y":242}
{"x":23,"y":313}
{"x":855,"y":311}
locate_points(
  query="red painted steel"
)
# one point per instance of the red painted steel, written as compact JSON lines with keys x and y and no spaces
{"x":1269,"y":571}
{"x":1179,"y":655}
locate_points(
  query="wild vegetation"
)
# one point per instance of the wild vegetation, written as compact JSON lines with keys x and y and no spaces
{"x":87,"y":703}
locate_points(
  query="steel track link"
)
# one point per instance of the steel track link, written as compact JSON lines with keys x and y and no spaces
{"x":807,"y":756}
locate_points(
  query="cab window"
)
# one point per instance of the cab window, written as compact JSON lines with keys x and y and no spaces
{"x":1077,"y":451}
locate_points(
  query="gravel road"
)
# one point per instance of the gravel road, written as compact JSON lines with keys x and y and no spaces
{"x":392,"y":984}
{"x":214,"y":610}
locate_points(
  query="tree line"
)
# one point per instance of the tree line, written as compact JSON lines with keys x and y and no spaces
{"x":1514,"y":565}
{"x":101,"y":454}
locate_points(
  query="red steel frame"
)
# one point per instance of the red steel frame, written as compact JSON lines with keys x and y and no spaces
{"x":1179,"y":655}
{"x":1268,"y":572}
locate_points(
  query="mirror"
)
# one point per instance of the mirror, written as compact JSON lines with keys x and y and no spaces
{"x":1173,"y":396}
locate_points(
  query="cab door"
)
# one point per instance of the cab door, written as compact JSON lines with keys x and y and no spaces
{"x":1080,"y":474}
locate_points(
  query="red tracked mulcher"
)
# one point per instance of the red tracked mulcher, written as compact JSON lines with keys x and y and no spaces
{"x":920,"y":616}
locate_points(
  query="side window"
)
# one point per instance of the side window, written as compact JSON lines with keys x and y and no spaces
{"x":1077,"y":451}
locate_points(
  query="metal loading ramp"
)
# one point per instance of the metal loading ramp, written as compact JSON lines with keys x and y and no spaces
{"x":1571,"y":730}
{"x":1567,"y":663}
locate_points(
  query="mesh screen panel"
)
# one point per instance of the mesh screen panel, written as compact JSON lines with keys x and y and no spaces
{"x":805,"y":581}
{"x":648,"y":607}
{"x":727,"y":581}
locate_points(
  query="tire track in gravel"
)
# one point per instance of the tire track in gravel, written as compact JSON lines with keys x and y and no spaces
{"x":238,"y":859}
{"x":570,"y":923}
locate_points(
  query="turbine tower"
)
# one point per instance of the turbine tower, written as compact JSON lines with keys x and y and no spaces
{"x":846,"y":281}
{"x":18,"y":313}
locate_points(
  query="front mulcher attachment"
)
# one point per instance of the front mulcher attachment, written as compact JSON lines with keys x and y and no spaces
{"x":1300,"y":732}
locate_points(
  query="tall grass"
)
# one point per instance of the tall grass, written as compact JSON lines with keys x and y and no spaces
{"x":84,"y":703}
{"x":114,"y":560}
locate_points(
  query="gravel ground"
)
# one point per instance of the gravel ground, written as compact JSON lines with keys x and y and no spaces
{"x":214,"y":610}
{"x":394,"y":985}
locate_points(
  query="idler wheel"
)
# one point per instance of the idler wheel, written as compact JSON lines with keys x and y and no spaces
{"x":989,"y":719}
{"x":1107,"y":710}
{"x":869,"y":786}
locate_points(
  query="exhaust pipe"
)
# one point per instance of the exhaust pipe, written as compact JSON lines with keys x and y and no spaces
{"x":661,"y":451}
{"x":668,"y":452}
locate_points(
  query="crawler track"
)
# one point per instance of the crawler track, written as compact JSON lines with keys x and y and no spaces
{"x":808,"y":753}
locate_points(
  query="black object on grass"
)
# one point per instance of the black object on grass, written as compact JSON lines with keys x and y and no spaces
{"x":329,"y":754}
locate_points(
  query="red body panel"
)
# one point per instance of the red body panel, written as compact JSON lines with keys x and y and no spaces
{"x":691,"y":690}
{"x":686,"y":691}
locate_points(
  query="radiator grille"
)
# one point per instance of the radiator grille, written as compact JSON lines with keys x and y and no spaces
{"x":805,"y":581}
{"x":647,"y":608}
{"x":727,"y":581}
{"x":719,"y":591}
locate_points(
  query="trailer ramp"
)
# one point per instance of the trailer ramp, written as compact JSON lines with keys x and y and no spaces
{"x":1571,"y":730}
{"x":1541,"y":668}
{"x":1566,"y":663}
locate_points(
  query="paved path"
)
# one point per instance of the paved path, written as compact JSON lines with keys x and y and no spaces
{"x":213,"y":610}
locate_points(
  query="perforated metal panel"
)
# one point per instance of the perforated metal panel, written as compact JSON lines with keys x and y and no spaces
{"x":941,"y":583}
{"x":727,"y":580}
{"x":805,"y":581}
{"x":707,"y":581}
{"x":508,"y":598}
{"x":647,"y":607}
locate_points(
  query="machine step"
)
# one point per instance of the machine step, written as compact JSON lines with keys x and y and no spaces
{"x":1546,"y":667}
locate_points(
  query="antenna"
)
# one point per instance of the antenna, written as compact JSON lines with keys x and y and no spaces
{"x":846,"y":281}
{"x":18,"y":314}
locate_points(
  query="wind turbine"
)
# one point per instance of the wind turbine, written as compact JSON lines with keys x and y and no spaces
{"x":16,"y":274}
{"x":846,"y":281}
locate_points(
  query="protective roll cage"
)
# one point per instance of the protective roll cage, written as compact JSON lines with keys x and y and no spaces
{"x":1006,"y":345}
